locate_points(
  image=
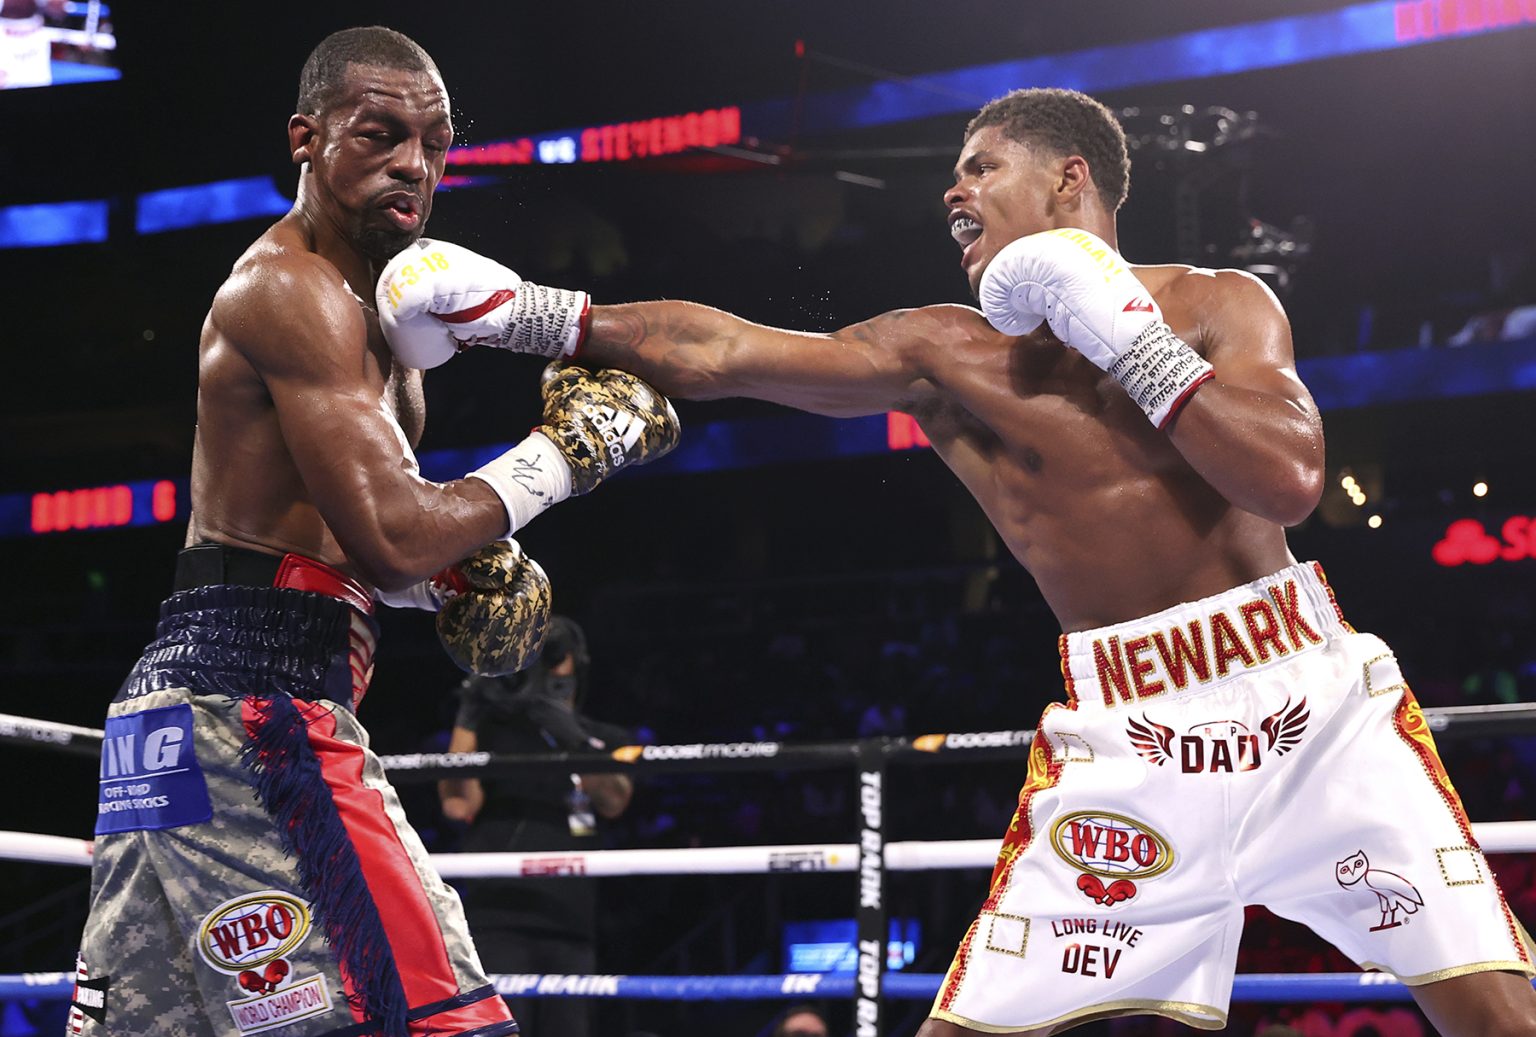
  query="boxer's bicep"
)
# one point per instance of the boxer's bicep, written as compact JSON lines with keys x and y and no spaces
{"x":359,"y":472}
{"x":1247,"y":340}
{"x":1252,"y":431}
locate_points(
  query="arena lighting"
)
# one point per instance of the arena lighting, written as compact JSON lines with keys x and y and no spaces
{"x":1352,"y":488}
{"x":1374,"y":522}
{"x":1357,"y":29}
{"x":53,"y":223}
{"x":1466,"y":541}
{"x":1479,"y":489}
{"x":222,"y":201}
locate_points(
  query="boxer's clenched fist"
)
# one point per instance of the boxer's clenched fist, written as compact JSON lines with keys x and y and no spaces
{"x":1079,"y":285}
{"x":435,"y":299}
{"x":496,"y":625}
{"x":604,"y":420}
{"x":492,"y":608}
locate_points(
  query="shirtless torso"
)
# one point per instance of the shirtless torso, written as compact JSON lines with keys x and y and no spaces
{"x":1102,"y":509}
{"x":246,"y":481}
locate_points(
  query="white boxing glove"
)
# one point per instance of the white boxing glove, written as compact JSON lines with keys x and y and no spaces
{"x":435,"y":299}
{"x":1077,"y":283}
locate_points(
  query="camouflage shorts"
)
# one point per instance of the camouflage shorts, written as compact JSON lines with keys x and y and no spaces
{"x":254,"y":872}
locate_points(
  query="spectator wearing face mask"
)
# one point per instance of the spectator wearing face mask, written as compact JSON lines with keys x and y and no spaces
{"x":528,"y":925}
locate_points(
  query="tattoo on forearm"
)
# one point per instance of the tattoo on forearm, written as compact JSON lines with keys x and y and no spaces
{"x":657,"y":343}
{"x":626,"y":329}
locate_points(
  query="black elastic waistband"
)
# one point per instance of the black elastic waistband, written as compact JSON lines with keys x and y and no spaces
{"x":237,"y":640}
{"x":207,"y":565}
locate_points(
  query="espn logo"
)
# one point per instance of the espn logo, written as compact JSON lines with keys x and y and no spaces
{"x":575,"y":865}
{"x":797,"y":860}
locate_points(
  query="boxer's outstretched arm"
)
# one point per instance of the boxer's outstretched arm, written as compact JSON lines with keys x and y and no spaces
{"x":700,"y":353}
{"x":292,"y":319}
{"x":1253,"y":432}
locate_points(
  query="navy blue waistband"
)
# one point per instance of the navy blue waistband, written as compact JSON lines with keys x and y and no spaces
{"x":238,"y":640}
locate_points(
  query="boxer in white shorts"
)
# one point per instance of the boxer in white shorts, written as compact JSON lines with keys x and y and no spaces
{"x":1139,"y":438}
{"x":1247,"y":748}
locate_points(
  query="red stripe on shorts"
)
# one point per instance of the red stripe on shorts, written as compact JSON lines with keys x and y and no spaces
{"x":410,"y":925}
{"x":1066,"y":671}
{"x":1411,"y":726}
{"x":1044,"y":772}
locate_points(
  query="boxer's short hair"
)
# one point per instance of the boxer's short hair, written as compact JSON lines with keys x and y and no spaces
{"x":325,"y":70}
{"x":1065,"y":122}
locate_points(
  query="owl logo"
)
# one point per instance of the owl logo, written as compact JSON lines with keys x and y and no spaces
{"x":1393,"y":892}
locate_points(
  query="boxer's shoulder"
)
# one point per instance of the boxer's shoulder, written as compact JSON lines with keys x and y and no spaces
{"x":274,"y":276}
{"x":279,"y":297}
{"x":1206,"y":303}
{"x":1202,"y":288}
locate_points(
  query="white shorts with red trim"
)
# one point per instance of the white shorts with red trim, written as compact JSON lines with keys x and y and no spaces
{"x":1248,"y":748}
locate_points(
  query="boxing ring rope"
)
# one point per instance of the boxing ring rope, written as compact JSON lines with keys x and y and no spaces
{"x":1267,"y":988}
{"x":871,"y":857}
{"x":1492,"y":836}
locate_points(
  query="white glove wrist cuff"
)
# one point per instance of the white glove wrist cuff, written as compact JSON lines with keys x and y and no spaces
{"x":417,"y":596}
{"x":549,"y":322}
{"x":1160,"y":372}
{"x":529,"y":478}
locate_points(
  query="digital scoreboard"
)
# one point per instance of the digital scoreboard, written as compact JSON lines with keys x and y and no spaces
{"x":616,"y":142}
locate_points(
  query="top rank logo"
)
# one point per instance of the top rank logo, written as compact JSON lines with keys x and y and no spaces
{"x":252,"y":930}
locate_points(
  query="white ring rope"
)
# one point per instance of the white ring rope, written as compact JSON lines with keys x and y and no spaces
{"x":1493,"y":836}
{"x":79,"y":38}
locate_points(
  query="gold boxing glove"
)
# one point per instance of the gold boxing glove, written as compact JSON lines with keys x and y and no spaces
{"x":492,"y":608}
{"x":604,"y":420}
{"x":494,"y":622}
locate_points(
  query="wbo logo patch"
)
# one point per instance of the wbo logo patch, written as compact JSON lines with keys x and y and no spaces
{"x":248,"y":937}
{"x":251,"y":931}
{"x":1110,"y":846}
